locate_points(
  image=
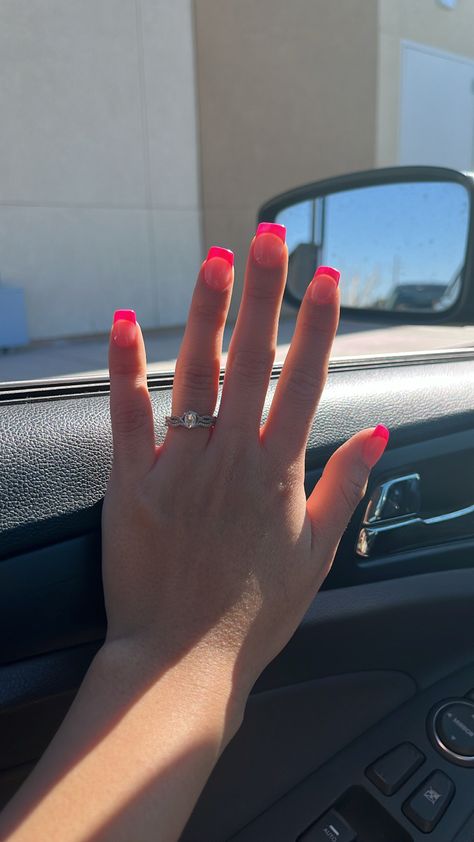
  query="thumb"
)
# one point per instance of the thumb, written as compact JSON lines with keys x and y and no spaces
{"x":342,"y":486}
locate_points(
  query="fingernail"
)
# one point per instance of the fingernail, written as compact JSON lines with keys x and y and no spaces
{"x":124,"y":328}
{"x":272,"y":228}
{"x":376,"y":444}
{"x":328,"y":270}
{"x":218,"y":268}
{"x":269,"y":245}
{"x":324,"y":284}
{"x":126,"y":315}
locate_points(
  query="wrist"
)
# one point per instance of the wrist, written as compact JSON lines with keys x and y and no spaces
{"x":202,"y":686}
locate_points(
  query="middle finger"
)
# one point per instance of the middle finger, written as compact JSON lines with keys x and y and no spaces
{"x":253,"y":344}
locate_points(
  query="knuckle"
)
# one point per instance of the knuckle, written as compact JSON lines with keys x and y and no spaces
{"x":208,"y":312}
{"x":304,"y":385}
{"x":315,"y":320}
{"x":352,"y":489}
{"x":252,"y":366}
{"x":198,"y":377}
{"x":263,"y":288}
{"x":316,"y":323}
{"x":124,"y":368}
{"x":130,"y":418}
{"x":286,"y":489}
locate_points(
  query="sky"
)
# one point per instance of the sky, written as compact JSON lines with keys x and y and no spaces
{"x":386,"y":235}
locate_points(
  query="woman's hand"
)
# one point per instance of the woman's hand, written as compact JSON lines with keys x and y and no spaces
{"x":211,"y":550}
{"x":211,"y":554}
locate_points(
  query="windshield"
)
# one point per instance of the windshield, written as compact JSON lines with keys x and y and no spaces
{"x":137,"y":134}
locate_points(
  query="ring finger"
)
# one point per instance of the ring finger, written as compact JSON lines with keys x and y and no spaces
{"x":305,"y":369}
{"x":196,"y":379}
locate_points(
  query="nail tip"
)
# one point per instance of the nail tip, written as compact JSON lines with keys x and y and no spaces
{"x":125,"y":315}
{"x":381,"y":431}
{"x":271,"y":228}
{"x":328,"y":270}
{"x":219,"y":251}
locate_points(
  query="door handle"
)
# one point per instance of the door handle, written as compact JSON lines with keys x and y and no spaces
{"x":384,"y":531}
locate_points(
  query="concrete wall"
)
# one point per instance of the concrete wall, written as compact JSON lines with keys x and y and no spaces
{"x":123,"y":119}
{"x":99,"y":198}
{"x":287,"y":95}
{"x":428,"y":23}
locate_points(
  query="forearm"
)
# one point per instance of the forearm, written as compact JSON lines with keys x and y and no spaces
{"x":131,"y":757}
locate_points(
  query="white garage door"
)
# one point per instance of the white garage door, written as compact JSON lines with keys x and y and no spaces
{"x":436,"y":108}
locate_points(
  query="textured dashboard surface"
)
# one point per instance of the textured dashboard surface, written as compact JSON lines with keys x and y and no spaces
{"x":56,"y":454}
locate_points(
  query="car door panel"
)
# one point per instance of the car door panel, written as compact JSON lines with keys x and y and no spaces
{"x":283,"y":741}
{"x":346,"y":642}
{"x":343,"y":780}
{"x":56,"y":449}
{"x":381,"y":632}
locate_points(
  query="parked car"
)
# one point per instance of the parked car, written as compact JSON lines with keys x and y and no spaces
{"x":416,"y":296}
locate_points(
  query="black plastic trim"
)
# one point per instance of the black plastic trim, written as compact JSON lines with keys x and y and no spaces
{"x":56,"y":454}
{"x":26,"y":391}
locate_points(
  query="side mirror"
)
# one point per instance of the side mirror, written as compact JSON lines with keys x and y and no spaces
{"x":402,"y":238}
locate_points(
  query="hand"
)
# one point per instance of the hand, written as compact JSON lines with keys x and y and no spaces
{"x":210,"y":549}
{"x":211,"y":554}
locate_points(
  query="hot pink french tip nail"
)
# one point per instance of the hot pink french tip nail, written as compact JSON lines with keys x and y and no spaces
{"x":124,"y":330}
{"x":217,"y":251}
{"x":381,"y":432}
{"x":375,"y":445}
{"x":328,"y":270}
{"x":126,"y":316}
{"x":272,"y":228}
{"x":218,"y":272}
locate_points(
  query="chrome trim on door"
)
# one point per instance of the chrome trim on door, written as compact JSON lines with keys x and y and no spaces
{"x":413,"y":532}
{"x":409,"y":485}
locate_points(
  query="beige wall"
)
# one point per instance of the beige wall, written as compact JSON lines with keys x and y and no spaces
{"x":428,"y":23}
{"x":99,"y":177}
{"x":287,"y":95}
{"x":100,"y":162}
{"x":122,"y":119}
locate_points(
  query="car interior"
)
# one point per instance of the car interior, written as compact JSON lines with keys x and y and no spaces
{"x":363,"y":727}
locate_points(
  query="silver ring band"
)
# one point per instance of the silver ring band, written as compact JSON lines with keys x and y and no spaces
{"x":190,"y":420}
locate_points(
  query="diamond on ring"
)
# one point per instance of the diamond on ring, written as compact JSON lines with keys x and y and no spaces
{"x":190,"y":419}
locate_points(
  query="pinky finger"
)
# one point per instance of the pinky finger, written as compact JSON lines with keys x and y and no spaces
{"x":130,"y":405}
{"x":342,"y":487}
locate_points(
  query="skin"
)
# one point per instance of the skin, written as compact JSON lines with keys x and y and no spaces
{"x":211,"y":556}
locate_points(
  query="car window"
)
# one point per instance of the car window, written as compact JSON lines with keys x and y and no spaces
{"x":136,"y":134}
